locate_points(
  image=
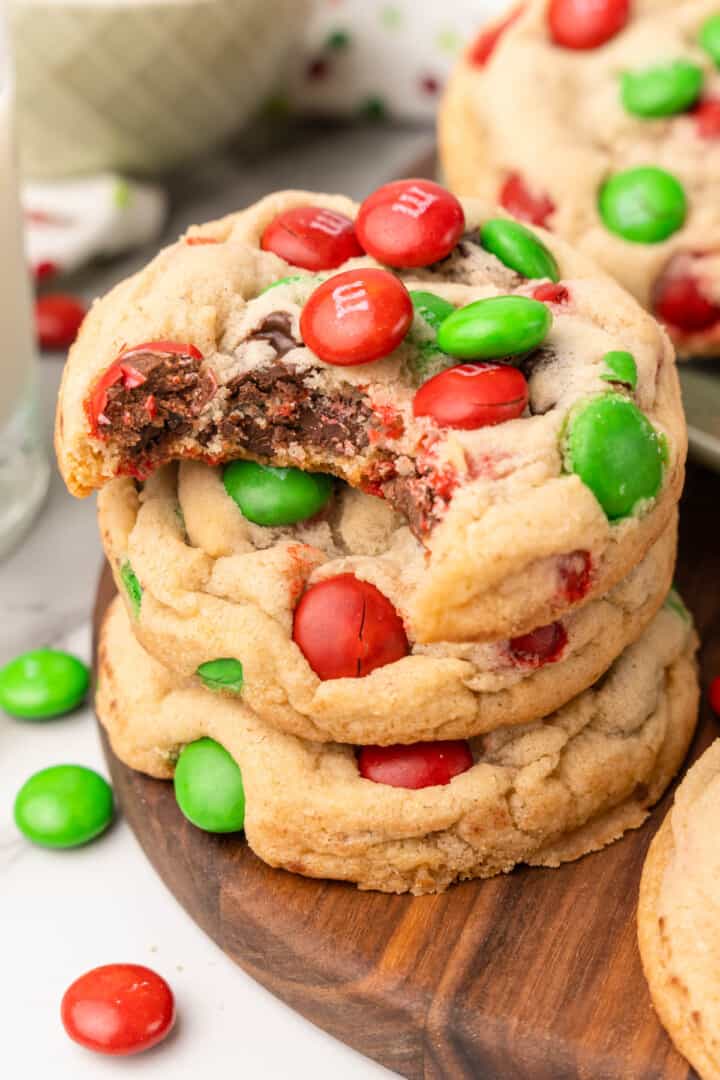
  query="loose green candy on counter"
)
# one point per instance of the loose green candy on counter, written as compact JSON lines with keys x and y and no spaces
{"x":620,"y":367}
{"x":616,"y":452}
{"x":519,"y":248}
{"x":64,"y":806}
{"x":224,"y":674}
{"x":431,"y":308}
{"x":710,"y":37}
{"x":132,"y":587}
{"x":663,"y":90}
{"x":42,"y":684}
{"x":209,"y":788}
{"x":269,"y":496}
{"x":495,"y":327}
{"x":644,"y":205}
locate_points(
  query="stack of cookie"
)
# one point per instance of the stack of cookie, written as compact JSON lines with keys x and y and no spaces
{"x":390,"y":496}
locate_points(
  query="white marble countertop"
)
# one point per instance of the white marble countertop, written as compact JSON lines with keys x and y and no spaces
{"x":65,"y":912}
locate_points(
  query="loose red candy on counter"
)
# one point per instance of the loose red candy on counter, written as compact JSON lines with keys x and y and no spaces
{"x":122,"y":371}
{"x":707,"y":118}
{"x":473,"y":396}
{"x":586,"y":24}
{"x":714,"y":695}
{"x":356,"y":317}
{"x":542,"y":646}
{"x":551,"y":294}
{"x":118,"y":1009}
{"x":346,"y":628}
{"x":484,"y":45}
{"x":419,"y":765}
{"x":410,"y":223}
{"x":680,"y":302}
{"x":58,"y":318}
{"x":312,"y":237}
{"x":523,"y":204}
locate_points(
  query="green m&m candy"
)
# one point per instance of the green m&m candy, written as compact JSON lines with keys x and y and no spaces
{"x":710,"y":37}
{"x":209,"y":787}
{"x":614,"y":449}
{"x":224,"y":674}
{"x":285,"y":281}
{"x":268,"y":496}
{"x":674,"y":602}
{"x":498,"y":326}
{"x":427,"y":358}
{"x":663,"y":90}
{"x":517,"y":247}
{"x":620,"y":367}
{"x":43,"y":683}
{"x":644,"y":205}
{"x":64,"y":806}
{"x":132,"y":586}
{"x":431,"y":308}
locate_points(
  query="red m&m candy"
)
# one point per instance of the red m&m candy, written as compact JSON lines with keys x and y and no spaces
{"x":523,"y":204}
{"x":586,"y":24}
{"x":473,"y":396}
{"x":118,"y":1009}
{"x":551,"y":293}
{"x":356,"y":317}
{"x":574,"y":571}
{"x":484,"y":45}
{"x":707,"y":118}
{"x":544,"y":645}
{"x":123,"y":371}
{"x":419,"y":765}
{"x":714,"y":695}
{"x":312,"y":237}
{"x":57,"y":320}
{"x":346,"y":628}
{"x":410,"y":223}
{"x":680,"y":302}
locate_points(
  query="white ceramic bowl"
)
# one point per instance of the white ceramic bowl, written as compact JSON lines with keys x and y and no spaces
{"x":142,"y":85}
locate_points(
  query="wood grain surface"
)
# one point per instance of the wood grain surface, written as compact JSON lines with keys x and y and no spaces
{"x":534,"y":975}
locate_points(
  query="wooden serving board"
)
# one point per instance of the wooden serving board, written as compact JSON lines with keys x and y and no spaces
{"x":534,"y":975}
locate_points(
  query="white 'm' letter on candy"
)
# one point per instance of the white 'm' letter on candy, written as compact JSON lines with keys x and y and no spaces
{"x":327,"y":222}
{"x":414,"y":202}
{"x":350,"y":297}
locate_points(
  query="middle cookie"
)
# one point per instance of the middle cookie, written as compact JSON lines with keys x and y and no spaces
{"x":309,"y":623}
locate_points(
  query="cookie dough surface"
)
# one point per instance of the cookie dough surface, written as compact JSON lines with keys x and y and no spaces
{"x":215,"y":585}
{"x":554,"y":118}
{"x":502,"y":517}
{"x":543,"y":793}
{"x":679,"y":917}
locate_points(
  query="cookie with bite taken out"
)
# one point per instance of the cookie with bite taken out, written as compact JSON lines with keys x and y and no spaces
{"x":515,"y":406}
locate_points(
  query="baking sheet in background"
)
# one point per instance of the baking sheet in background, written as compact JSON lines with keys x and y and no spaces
{"x":701,"y":394}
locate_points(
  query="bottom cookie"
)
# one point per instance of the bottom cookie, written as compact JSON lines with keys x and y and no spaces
{"x":679,"y":917}
{"x":542,"y":793}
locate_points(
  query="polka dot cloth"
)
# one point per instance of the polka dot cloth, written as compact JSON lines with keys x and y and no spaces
{"x":376,"y":59}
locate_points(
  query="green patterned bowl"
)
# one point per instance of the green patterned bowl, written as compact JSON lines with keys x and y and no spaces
{"x":142,"y":85}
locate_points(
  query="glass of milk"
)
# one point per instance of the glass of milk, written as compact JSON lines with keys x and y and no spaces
{"x":24,"y":466}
